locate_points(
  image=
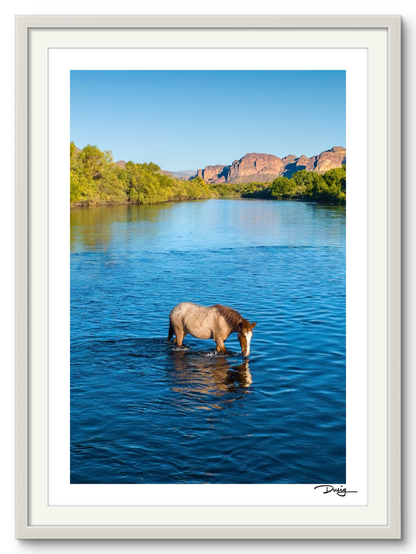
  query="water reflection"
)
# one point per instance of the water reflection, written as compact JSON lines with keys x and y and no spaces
{"x":205,"y":224}
{"x":198,"y":375}
{"x":143,"y":411}
{"x":95,"y":228}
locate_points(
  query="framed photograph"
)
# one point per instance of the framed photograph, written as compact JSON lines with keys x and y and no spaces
{"x":207,"y":302}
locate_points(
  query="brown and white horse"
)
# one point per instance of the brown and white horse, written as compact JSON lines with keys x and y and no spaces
{"x":213,"y":322}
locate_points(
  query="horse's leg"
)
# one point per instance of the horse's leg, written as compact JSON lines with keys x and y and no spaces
{"x":221,"y":346}
{"x":180,"y":335}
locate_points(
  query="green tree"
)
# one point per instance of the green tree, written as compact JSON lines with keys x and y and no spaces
{"x":282,"y":187}
{"x":94,"y":178}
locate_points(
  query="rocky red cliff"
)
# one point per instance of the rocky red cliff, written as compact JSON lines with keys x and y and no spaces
{"x":266,"y":167}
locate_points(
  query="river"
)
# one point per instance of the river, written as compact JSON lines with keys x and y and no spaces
{"x":145,"y":411}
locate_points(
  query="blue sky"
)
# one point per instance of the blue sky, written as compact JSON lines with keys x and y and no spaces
{"x":191,"y":119}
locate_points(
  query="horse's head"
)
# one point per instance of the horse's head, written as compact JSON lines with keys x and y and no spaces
{"x":245,"y":332}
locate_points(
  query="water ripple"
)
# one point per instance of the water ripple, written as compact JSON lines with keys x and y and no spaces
{"x":145,"y":411}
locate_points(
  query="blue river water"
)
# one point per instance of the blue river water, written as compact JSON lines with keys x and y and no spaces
{"x":145,"y":411}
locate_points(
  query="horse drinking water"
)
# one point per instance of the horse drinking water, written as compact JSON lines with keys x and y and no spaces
{"x":213,"y":322}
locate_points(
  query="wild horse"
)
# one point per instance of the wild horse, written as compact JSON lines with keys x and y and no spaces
{"x":213,"y":322}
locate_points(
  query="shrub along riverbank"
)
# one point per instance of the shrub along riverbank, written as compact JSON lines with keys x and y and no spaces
{"x":96,"y":180}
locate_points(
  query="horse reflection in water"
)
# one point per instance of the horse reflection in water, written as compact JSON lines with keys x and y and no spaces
{"x":199,"y":377}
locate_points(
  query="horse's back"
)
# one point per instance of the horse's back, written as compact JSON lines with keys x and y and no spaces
{"x":183,"y":308}
{"x":193,"y":318}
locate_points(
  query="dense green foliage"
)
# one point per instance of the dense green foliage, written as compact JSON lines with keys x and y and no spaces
{"x":243,"y":189}
{"x":329,"y":188}
{"x":95,"y":179}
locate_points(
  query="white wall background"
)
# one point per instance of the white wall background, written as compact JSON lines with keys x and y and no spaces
{"x":407,"y":9}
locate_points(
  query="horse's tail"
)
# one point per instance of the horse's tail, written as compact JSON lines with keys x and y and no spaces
{"x":171,"y":332}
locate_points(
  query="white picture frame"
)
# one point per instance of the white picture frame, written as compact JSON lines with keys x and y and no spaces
{"x":380,"y":518}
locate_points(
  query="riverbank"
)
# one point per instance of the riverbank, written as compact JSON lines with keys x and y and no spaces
{"x":95,"y":180}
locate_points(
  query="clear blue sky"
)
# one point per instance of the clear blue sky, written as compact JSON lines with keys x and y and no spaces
{"x":191,"y":119}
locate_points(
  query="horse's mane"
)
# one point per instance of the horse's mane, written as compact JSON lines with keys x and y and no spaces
{"x":232,"y":317}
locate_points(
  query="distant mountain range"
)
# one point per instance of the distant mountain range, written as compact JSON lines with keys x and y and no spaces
{"x":266,"y":167}
{"x":184,"y":174}
{"x":262,"y":167}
